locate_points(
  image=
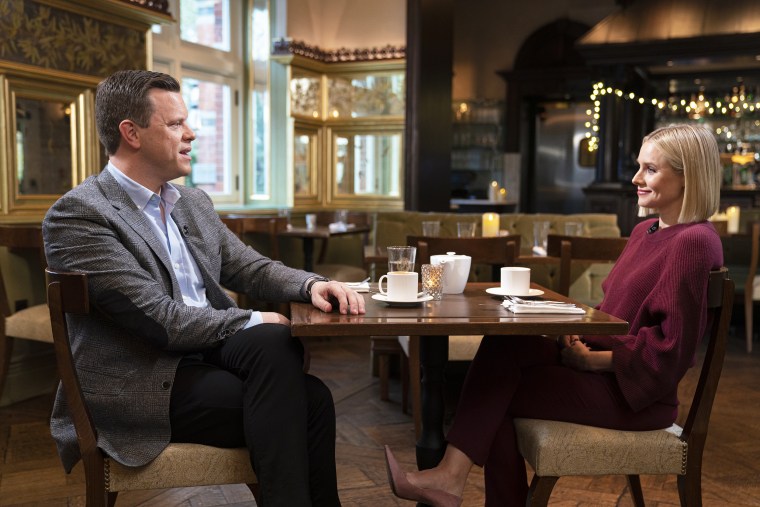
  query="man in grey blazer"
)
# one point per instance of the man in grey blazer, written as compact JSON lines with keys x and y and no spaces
{"x":166,"y":355}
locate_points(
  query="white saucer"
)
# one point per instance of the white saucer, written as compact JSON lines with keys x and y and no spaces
{"x":384,"y":299}
{"x":498,"y":291}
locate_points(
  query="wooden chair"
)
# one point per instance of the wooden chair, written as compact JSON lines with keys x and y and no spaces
{"x":555,"y":449}
{"x":341,"y":272}
{"x":579,"y":249}
{"x":31,"y":323}
{"x":491,"y":251}
{"x":740,"y":255}
{"x":252,"y":224}
{"x":179,"y":465}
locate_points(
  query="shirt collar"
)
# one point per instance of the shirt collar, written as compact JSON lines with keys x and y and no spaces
{"x":140,"y":195}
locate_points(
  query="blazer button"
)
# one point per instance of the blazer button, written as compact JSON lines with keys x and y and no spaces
{"x":166,"y":384}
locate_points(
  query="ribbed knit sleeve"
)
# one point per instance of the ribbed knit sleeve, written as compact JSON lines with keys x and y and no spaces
{"x":659,"y":285}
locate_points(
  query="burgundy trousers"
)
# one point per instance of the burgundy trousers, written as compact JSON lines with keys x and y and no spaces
{"x":522,"y":376}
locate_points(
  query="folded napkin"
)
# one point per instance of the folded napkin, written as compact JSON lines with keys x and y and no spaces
{"x":359,"y":286}
{"x":337,"y":227}
{"x":542,"y":307}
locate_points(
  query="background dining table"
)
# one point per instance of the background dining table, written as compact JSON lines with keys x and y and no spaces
{"x":319,"y":232}
{"x":474,"y":312}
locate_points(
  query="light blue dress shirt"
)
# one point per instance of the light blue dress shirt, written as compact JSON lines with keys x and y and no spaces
{"x":184,"y":265}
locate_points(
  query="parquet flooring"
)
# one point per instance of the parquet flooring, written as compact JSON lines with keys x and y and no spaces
{"x":30,"y":474}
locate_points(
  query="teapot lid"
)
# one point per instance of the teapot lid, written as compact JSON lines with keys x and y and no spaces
{"x":457,"y":256}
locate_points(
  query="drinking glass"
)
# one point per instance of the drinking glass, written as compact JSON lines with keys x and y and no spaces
{"x":341,"y":216}
{"x":432,"y":280}
{"x":466,"y":229}
{"x":573,"y":229}
{"x":401,"y":258}
{"x":284,"y":212}
{"x":431,"y":229}
{"x":311,"y":221}
{"x":540,"y":236}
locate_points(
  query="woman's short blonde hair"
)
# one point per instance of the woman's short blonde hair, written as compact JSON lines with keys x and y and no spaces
{"x":692,"y":150}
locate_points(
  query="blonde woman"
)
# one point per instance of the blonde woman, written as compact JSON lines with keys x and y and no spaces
{"x":628,"y":382}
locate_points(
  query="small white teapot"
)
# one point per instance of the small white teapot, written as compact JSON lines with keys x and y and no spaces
{"x":456,"y":271}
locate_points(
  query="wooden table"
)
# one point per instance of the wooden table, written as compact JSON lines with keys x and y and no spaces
{"x":320,"y":232}
{"x":472,"y":313}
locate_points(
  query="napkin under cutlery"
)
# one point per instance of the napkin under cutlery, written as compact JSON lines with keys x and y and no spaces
{"x":362,"y":286}
{"x":517,"y":305}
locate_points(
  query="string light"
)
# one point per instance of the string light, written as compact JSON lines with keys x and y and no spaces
{"x":735,"y":105}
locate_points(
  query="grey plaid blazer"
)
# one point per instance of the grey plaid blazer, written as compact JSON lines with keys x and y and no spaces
{"x":127,"y":350}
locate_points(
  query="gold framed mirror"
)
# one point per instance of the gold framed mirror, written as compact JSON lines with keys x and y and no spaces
{"x":49,"y":144}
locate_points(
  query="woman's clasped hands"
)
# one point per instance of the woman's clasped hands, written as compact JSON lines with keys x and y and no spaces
{"x":576,"y":354}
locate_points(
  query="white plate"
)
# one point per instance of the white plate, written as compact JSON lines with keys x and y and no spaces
{"x":384,"y":299}
{"x":498,"y":291}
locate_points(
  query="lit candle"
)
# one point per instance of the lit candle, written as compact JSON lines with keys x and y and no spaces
{"x":502,"y":195}
{"x":490,"y":224}
{"x":493,"y":191}
{"x":732,"y":214}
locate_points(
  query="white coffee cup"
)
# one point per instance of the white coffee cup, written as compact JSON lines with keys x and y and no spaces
{"x":456,"y":271}
{"x":401,"y":286}
{"x":515,"y":280}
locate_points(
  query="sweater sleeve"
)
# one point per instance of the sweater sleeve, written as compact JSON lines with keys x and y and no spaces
{"x":667,"y":326}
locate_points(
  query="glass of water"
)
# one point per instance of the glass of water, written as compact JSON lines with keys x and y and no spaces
{"x":401,"y":258}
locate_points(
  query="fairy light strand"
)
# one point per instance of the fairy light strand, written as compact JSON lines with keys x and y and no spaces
{"x":736,"y":105}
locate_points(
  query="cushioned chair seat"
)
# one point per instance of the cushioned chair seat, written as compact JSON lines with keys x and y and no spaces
{"x":31,"y":323}
{"x":211,"y":465}
{"x":587,"y":450}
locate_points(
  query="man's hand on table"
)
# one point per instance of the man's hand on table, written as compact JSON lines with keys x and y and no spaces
{"x":325,"y":294}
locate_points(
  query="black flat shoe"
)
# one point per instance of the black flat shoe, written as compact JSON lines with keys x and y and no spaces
{"x":402,"y":488}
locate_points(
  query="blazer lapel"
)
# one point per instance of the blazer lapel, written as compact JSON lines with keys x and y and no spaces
{"x":137,"y":221}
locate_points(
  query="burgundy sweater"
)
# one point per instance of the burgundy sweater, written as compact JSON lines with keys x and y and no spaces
{"x":659,"y":285}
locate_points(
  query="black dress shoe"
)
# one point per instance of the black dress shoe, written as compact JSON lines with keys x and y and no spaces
{"x":402,"y":488}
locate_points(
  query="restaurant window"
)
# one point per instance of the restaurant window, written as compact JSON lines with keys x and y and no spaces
{"x":204,"y":52}
{"x":209,"y":107}
{"x":206,"y":22}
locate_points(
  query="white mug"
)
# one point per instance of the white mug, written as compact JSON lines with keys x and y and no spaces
{"x":402,"y":286}
{"x":515,"y":281}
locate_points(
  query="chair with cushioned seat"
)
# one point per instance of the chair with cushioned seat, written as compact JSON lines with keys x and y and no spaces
{"x":179,"y":465}
{"x":31,"y":323}
{"x":341,"y":271}
{"x":555,"y":449}
{"x":583,"y":251}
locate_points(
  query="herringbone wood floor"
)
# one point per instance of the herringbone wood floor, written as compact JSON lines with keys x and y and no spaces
{"x":30,"y":474}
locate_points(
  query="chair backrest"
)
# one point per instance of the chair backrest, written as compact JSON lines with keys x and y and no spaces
{"x":571,"y":249}
{"x":740,"y":256}
{"x":18,"y":237}
{"x":721,"y":226}
{"x":251,"y":224}
{"x":496,"y":251}
{"x":720,"y":298}
{"x":67,"y":293}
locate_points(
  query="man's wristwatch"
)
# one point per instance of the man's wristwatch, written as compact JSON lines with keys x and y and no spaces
{"x":311,"y":281}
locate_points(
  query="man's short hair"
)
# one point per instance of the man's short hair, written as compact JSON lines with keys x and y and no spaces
{"x":124,"y":96}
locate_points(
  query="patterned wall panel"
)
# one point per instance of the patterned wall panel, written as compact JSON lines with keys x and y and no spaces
{"x":52,"y":38}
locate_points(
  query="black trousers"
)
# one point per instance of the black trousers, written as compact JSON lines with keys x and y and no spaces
{"x":251,"y":391}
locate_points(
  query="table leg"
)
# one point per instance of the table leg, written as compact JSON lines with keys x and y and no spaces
{"x":434,"y":354}
{"x":308,"y":254}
